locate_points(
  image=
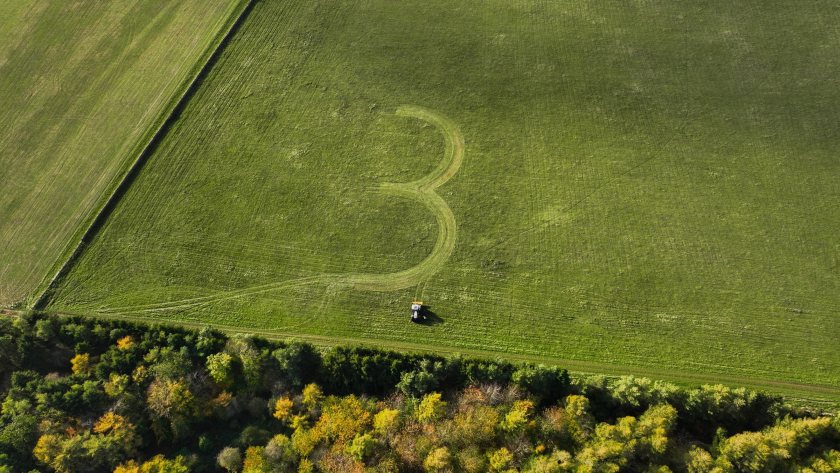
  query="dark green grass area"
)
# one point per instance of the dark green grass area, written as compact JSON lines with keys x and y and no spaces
{"x":646,"y":187}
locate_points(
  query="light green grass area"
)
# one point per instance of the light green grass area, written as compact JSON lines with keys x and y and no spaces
{"x":645,"y":187}
{"x":81,"y":85}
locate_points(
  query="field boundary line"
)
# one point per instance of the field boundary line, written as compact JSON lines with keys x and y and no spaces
{"x":802,"y":391}
{"x":147,"y":143}
{"x":811,"y":392}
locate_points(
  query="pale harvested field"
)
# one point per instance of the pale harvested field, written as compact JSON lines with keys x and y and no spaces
{"x":81,"y":85}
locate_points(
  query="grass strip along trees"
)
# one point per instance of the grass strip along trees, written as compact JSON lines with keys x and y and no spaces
{"x":87,"y":395}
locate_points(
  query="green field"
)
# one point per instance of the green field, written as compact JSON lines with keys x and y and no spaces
{"x":643,"y":187}
{"x":81,"y":85}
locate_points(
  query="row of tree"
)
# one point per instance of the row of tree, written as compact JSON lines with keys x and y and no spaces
{"x":90,"y":395}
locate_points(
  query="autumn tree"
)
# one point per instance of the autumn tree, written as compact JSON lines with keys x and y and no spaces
{"x":342,"y":418}
{"x":362,"y":447}
{"x":172,"y":401}
{"x":311,"y":397}
{"x":776,"y":448}
{"x":125,"y":343}
{"x":386,"y":421}
{"x":156,"y":464}
{"x":518,"y":416}
{"x":283,"y":409}
{"x":255,"y":461}
{"x":629,"y":441}
{"x":476,"y":425}
{"x":80,"y":363}
{"x":500,"y":459}
{"x":431,"y":408}
{"x":220,"y":368}
{"x":230,"y":458}
{"x":280,"y":453}
{"x":250,"y":357}
{"x":110,"y":442}
{"x":438,"y":460}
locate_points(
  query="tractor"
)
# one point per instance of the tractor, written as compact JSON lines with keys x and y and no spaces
{"x":417,"y":314}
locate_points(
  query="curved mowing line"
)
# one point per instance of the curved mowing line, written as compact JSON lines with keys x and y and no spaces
{"x":421,"y":190}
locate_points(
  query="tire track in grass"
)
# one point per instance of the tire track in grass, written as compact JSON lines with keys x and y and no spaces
{"x":791,"y":389}
{"x":421,"y":190}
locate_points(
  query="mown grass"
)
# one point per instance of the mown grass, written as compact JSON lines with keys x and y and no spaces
{"x":651,"y":187}
{"x":81,"y":86}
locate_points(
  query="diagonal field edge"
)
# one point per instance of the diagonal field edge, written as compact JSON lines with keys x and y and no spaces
{"x":167,"y":117}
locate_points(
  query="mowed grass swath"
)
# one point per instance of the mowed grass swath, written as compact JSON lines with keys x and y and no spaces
{"x":645,"y":187}
{"x":82,"y":87}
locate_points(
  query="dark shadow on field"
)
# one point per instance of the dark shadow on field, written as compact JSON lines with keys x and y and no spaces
{"x":146,"y":148}
{"x":431,"y":318}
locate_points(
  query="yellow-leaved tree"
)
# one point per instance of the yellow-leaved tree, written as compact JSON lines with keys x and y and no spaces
{"x":386,"y":421}
{"x":125,"y":343}
{"x":80,"y":363}
{"x":629,"y":440}
{"x":156,"y":464}
{"x":283,"y":409}
{"x":431,"y":408}
{"x":312,"y":396}
{"x":438,"y":460}
{"x":500,"y":459}
{"x":518,"y":416}
{"x":772,"y":449}
{"x":341,"y":419}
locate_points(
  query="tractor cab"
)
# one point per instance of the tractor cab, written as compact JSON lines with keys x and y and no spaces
{"x":417,"y":312}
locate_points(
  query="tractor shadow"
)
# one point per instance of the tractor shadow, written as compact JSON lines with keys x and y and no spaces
{"x":431,"y":318}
